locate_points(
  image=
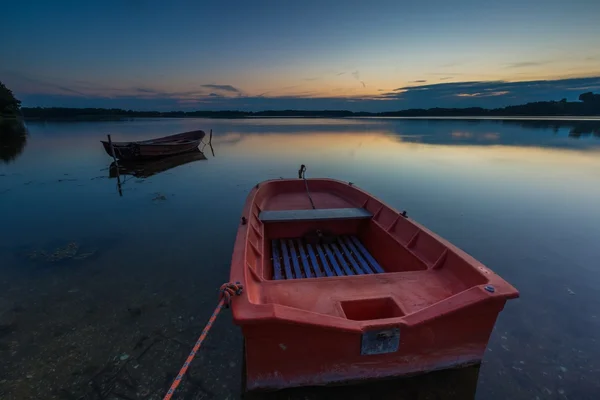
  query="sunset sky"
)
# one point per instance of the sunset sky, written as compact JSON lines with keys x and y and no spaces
{"x":358,"y":55}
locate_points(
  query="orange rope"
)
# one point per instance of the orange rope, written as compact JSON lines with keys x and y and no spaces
{"x":226,"y":292}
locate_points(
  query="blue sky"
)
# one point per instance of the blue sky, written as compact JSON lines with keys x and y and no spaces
{"x":146,"y":54}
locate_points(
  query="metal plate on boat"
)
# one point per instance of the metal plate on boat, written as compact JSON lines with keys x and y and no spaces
{"x":381,"y":341}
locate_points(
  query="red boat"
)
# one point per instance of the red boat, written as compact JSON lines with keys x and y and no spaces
{"x":339,"y":287}
{"x":153,"y":148}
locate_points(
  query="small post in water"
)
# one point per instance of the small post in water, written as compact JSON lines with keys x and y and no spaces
{"x":210,"y":143}
{"x":112,"y":150}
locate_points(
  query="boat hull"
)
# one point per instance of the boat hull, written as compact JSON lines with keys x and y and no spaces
{"x":282,"y":355}
{"x":375,"y":295}
{"x":155,"y":148}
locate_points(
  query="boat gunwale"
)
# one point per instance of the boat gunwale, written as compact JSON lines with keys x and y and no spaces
{"x":275,"y":312}
{"x":126,"y":144}
{"x":194,"y":136}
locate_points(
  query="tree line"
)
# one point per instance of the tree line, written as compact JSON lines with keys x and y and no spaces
{"x":588,"y":105}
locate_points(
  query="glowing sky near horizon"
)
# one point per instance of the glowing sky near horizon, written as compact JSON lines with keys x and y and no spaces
{"x":191,"y":53}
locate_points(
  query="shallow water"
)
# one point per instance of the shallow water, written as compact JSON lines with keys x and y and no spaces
{"x":89,"y":277}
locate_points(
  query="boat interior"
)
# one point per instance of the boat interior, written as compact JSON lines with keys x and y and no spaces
{"x":350,"y":256}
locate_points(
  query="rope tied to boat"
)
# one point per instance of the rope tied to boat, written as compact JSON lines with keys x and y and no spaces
{"x":228,"y":290}
{"x":226,"y":294}
{"x":302,"y":175}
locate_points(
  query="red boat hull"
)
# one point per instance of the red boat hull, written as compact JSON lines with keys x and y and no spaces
{"x":282,"y":355}
{"x":406,"y":302}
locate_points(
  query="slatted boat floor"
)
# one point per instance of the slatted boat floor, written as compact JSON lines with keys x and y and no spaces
{"x":343,"y":256}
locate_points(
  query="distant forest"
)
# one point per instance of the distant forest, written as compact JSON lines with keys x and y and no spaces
{"x":588,"y":105}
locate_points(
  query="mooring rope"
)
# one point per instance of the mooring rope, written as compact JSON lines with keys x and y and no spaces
{"x":227,"y":291}
{"x":301,"y":175}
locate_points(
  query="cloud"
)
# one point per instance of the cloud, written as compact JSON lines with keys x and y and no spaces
{"x":188,"y":102}
{"x":452,"y":64}
{"x":143,"y":90}
{"x":486,"y":93}
{"x":86,"y":89}
{"x":356,"y":75}
{"x":445,"y":78}
{"x":461,"y":135}
{"x":491,"y":136}
{"x":341,"y":73}
{"x":301,"y":101}
{"x":289,"y":87}
{"x":490,"y":94}
{"x":43,"y":84}
{"x":24,"y":84}
{"x":223,"y":88}
{"x":446,"y":73}
{"x":527,"y":64}
{"x":419,"y":81}
{"x":585,"y":88}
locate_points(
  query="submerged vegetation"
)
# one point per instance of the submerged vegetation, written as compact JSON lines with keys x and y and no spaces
{"x":71,"y":251}
{"x":588,"y":105}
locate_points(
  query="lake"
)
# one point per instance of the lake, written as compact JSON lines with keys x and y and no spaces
{"x":90,"y":278}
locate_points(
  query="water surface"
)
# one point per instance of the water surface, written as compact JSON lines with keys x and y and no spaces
{"x":89,"y":278}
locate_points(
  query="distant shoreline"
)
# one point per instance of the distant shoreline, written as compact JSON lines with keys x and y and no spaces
{"x":578,"y":125}
{"x":589,"y":106}
{"x":549,"y":118}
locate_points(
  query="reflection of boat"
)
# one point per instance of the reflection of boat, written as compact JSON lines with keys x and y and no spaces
{"x":449,"y":384}
{"x":339,"y":287}
{"x":160,"y":147}
{"x":144,"y":169}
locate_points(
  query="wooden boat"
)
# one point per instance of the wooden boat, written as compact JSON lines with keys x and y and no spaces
{"x":147,"y":168}
{"x":153,"y":148}
{"x":352,"y":290}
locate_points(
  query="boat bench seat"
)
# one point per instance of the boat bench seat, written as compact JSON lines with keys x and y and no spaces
{"x":300,"y":258}
{"x":314,"y":215}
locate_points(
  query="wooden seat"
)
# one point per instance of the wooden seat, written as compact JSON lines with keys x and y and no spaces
{"x":313,"y":215}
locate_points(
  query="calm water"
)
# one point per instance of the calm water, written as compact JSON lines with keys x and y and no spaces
{"x":89,"y":278}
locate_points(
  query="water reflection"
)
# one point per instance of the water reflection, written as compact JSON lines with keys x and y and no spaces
{"x":145,"y":169}
{"x":456,"y":132}
{"x":576,"y":128}
{"x":454,"y":384}
{"x":585,"y":130}
{"x":13,"y":139}
{"x":517,"y":132}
